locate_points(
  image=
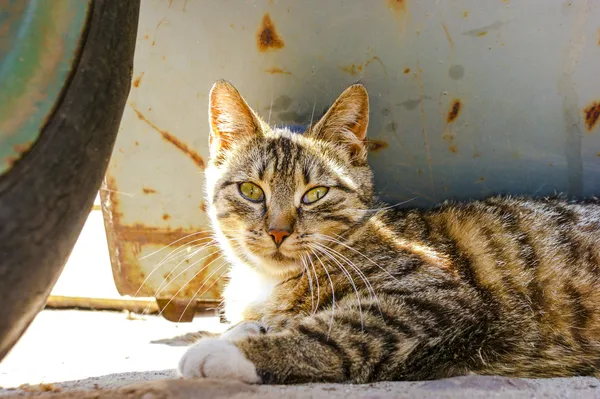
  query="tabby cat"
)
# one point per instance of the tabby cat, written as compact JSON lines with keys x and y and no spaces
{"x":328,"y":285}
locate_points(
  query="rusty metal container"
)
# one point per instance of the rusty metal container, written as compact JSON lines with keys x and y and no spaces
{"x":468,"y":99}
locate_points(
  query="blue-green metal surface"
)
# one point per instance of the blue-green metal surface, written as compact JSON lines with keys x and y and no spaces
{"x":39,"y":41}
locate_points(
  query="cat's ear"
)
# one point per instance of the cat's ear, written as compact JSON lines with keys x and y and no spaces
{"x":346,"y":121}
{"x":231,"y":118}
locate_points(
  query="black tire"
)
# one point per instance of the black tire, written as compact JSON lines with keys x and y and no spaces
{"x":46,"y":197}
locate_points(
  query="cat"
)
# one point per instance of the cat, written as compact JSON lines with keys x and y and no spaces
{"x":328,"y":285}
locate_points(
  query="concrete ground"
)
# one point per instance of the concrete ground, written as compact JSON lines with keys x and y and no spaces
{"x":84,"y":354}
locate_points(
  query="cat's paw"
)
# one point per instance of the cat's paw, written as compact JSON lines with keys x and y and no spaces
{"x":217,"y":358}
{"x":243,"y":330}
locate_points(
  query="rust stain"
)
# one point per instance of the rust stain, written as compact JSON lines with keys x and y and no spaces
{"x":146,"y":37}
{"x":197,"y":159}
{"x":277,"y":71}
{"x":137,"y":144}
{"x":148,"y":190}
{"x":10,"y":160}
{"x":598,"y":36}
{"x":465,"y":14}
{"x":166,"y":216}
{"x":480,"y":180}
{"x":447,"y":32}
{"x":406,"y":71}
{"x":483,"y":33}
{"x":267,"y":37}
{"x":454,"y":111}
{"x":376,"y":145}
{"x":352,"y":69}
{"x":203,"y":207}
{"x":592,"y":115}
{"x":453,"y":149}
{"x":397,"y":5}
{"x":23,"y":148}
{"x":162,"y":21}
{"x":138,"y":80}
{"x":598,"y":154}
{"x":374,"y":58}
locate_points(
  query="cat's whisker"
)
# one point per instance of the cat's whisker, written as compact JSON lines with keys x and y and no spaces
{"x":270,"y":109}
{"x":186,"y":269}
{"x":207,"y":288}
{"x":162,"y":286}
{"x":354,"y":267}
{"x":174,"y":242}
{"x":385,"y":207}
{"x":310,"y":284}
{"x":161,"y":263}
{"x":182,"y":248}
{"x":349,"y":263}
{"x":317,"y":282}
{"x":187,"y":282}
{"x":331,"y":239}
{"x":166,"y":279}
{"x":350,"y":279}
{"x":312,"y":115}
{"x":187,"y":252}
{"x":332,"y":292}
{"x":185,"y":249}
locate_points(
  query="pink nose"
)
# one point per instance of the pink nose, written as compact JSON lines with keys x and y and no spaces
{"x":279,"y":235}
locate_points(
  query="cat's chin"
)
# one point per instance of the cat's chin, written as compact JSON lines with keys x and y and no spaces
{"x":276,"y":264}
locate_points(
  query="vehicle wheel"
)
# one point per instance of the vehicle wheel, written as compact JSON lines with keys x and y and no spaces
{"x":46,"y":196}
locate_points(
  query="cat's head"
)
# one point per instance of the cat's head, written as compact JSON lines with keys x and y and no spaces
{"x":276,"y":197}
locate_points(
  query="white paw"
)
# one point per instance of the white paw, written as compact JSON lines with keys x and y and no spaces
{"x":243,"y":330}
{"x":217,"y":358}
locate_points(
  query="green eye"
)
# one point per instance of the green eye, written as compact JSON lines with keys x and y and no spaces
{"x":251,"y":192}
{"x":314,"y":194}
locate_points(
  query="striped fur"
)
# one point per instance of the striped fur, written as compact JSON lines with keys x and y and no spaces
{"x":507,"y":286}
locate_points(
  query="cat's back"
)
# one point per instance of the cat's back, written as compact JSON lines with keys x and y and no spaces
{"x":539,"y":257}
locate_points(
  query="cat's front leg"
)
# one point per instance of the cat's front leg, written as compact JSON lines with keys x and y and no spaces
{"x":220,"y":358}
{"x":217,"y":358}
{"x":312,"y":350}
{"x":244,"y":329}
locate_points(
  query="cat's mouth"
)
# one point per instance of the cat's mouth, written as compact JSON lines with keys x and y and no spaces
{"x":279,"y":257}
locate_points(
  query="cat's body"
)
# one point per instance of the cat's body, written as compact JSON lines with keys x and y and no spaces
{"x":351,"y":293}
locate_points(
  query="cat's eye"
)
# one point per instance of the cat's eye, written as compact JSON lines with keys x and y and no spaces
{"x":251,"y":192}
{"x":314,"y":194}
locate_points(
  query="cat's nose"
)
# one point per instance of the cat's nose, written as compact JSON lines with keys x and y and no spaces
{"x":279,"y":235}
